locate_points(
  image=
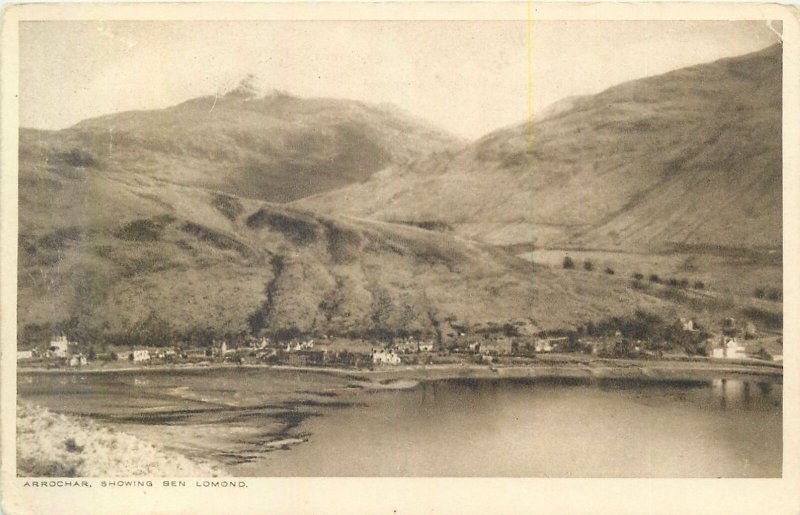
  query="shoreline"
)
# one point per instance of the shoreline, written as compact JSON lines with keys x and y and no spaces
{"x":587,"y":369}
{"x":52,"y":444}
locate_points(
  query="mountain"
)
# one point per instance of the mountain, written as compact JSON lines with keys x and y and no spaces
{"x":273,"y":146}
{"x":690,"y":158}
{"x":136,"y":223}
{"x":112,"y":256}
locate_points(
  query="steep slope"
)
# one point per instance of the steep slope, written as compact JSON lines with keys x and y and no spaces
{"x":691,"y":157}
{"x":108,"y":256}
{"x":274,"y":147}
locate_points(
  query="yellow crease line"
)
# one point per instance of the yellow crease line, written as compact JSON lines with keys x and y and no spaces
{"x":530,"y":124}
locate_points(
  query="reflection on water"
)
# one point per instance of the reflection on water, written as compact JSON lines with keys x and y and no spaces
{"x":547,"y":428}
{"x":558,"y":427}
{"x":743,"y":394}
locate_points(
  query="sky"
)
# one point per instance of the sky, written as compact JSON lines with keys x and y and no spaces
{"x":466,"y":77}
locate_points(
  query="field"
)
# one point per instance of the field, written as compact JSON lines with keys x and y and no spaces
{"x":738,"y":275}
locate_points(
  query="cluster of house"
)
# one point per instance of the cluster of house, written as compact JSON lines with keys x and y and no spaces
{"x":412,"y":346}
{"x":297,"y":346}
{"x":729,"y":346}
{"x":309,"y":353}
{"x":294,"y":352}
{"x":60,"y":348}
{"x":506,"y":346}
{"x":385,"y":357}
{"x":304,"y":352}
{"x":136,"y":355}
{"x":487,"y":346}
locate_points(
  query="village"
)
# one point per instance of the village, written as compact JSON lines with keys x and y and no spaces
{"x":636,"y":337}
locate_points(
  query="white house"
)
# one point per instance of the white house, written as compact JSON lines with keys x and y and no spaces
{"x":224,"y":349}
{"x":59,"y":347}
{"x":501,"y":346}
{"x":141,"y":355}
{"x":426,"y":347}
{"x":730,"y":349}
{"x":407,"y":347}
{"x":388,"y":357}
{"x":167,"y":354}
{"x":543,"y":346}
{"x":24,"y":354}
{"x":77,"y":360}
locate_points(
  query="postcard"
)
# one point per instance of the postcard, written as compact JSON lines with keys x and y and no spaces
{"x":400,"y":258}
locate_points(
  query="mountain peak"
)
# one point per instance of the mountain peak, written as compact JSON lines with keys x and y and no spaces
{"x":252,"y":87}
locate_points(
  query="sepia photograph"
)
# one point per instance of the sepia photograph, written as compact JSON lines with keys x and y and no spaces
{"x":399,"y":248}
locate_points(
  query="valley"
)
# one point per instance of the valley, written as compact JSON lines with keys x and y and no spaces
{"x":272,"y":215}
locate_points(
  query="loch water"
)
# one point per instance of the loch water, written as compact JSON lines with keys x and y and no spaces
{"x":282,"y":423}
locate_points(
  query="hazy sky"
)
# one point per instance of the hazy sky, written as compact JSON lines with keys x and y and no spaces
{"x":467,"y":77}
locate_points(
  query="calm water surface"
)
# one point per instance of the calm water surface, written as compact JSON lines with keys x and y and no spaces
{"x":523,"y":428}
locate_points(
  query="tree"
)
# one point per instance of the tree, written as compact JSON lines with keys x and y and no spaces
{"x":572,"y":342}
{"x":37,"y":335}
{"x":623,"y":348}
{"x":382,"y":307}
{"x":609,"y":270}
{"x":568,"y":263}
{"x":257,"y":320}
{"x":200,"y":336}
{"x":407,"y":317}
{"x":510,"y":330}
{"x":699,"y":285}
{"x":588,"y":266}
{"x":654,"y":278}
{"x":638,"y":276}
{"x":333,"y":300}
{"x":285,"y":334}
{"x":152,"y":330}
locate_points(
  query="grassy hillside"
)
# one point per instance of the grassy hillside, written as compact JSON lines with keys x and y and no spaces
{"x":141,"y":225}
{"x":691,"y":157}
{"x":274,"y":147}
{"x":108,"y":255}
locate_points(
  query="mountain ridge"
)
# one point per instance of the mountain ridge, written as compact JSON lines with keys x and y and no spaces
{"x":276,"y":147}
{"x":639,"y":165}
{"x":138,"y":223}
